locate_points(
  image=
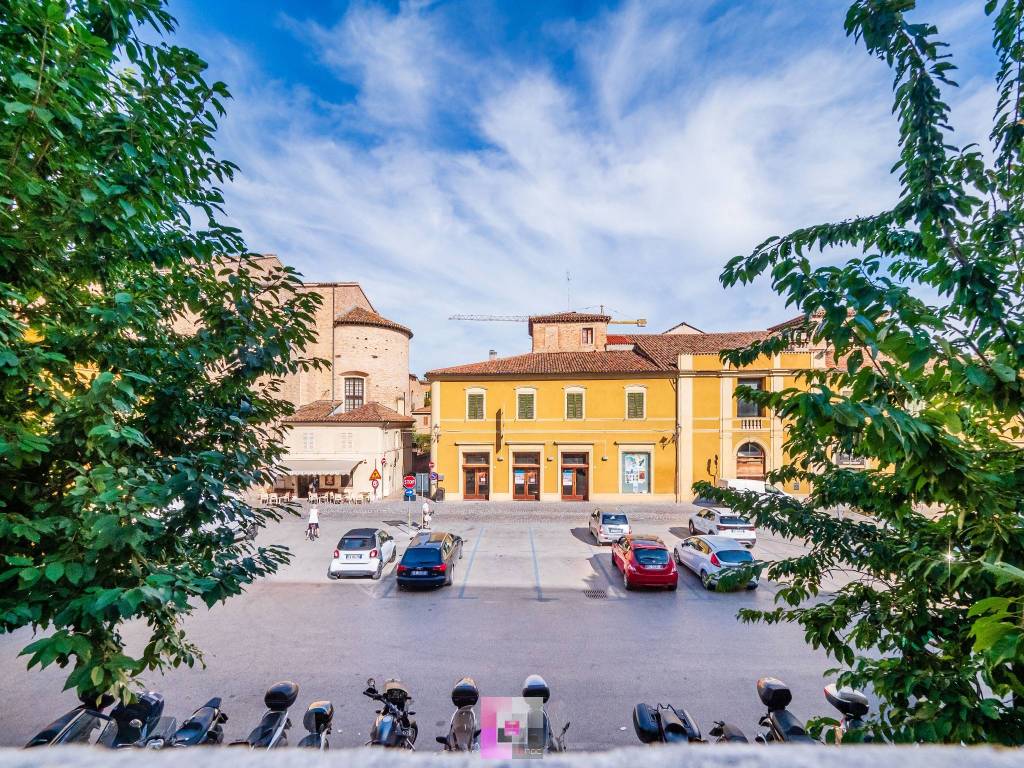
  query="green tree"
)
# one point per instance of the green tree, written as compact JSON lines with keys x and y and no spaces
{"x":125,"y":442}
{"x":926,"y":330}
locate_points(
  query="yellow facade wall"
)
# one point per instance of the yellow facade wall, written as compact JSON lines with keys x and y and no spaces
{"x":604,"y":435}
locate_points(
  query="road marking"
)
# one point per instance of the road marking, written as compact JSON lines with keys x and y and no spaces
{"x":536,"y":566}
{"x":469,"y":565}
{"x":612,"y":588}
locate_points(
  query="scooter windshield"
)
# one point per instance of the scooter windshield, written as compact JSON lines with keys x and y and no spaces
{"x":463,"y":732}
{"x":88,"y":727}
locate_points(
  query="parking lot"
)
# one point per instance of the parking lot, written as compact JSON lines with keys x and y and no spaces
{"x":532,"y":593}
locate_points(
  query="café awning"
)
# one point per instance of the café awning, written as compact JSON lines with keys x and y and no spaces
{"x":320,"y":466}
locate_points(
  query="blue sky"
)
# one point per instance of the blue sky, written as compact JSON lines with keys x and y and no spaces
{"x":464,"y":156}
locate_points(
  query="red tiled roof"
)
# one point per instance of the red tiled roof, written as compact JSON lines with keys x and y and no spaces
{"x":423,"y":409}
{"x":555,"y":363}
{"x":360,"y":316}
{"x":616,"y":339}
{"x":664,"y":349}
{"x":323,"y":412}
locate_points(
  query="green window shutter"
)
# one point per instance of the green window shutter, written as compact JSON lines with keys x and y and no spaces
{"x":574,"y":405}
{"x":634,"y":405}
{"x":475,"y":407}
{"x":525,"y":405}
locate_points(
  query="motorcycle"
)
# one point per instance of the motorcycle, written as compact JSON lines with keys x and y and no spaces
{"x":82,"y":725}
{"x":664,"y":724}
{"x":272,"y":732}
{"x":317,"y":721}
{"x":463,"y":733}
{"x":781,"y":725}
{"x":724,"y":733}
{"x":394,"y":726}
{"x":853,"y":705}
{"x":205,"y":726}
{"x":539,"y":735}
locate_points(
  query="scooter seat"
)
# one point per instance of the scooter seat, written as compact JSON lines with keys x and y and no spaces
{"x":728,"y":732}
{"x":194,"y":730}
{"x":263,"y":733}
{"x":792,"y":730}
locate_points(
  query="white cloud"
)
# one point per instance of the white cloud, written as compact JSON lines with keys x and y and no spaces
{"x":641,"y":189}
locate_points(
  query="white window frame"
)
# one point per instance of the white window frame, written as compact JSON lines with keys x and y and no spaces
{"x":477,"y":391}
{"x":309,"y":441}
{"x":633,"y":389}
{"x":526,"y":391}
{"x":344,"y":397}
{"x":582,"y":392}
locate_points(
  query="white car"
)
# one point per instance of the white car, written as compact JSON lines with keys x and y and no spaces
{"x":362,"y":552}
{"x":722,"y":521}
{"x":608,"y":527}
{"x":709,"y":556}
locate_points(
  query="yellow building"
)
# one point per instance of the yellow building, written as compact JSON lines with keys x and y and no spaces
{"x":591,"y":416}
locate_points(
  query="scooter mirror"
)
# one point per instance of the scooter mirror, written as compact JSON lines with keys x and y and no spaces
{"x":441,"y":740}
{"x":371,"y":683}
{"x":135,"y":723}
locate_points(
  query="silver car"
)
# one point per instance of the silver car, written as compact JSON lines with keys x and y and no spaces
{"x":608,"y":527}
{"x":710,"y":556}
{"x":722,"y":521}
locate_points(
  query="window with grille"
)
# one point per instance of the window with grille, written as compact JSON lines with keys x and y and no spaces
{"x":353,"y":393}
{"x":635,"y":408}
{"x":746,"y":407}
{"x":525,"y":405}
{"x":574,"y":405}
{"x":475,"y":406}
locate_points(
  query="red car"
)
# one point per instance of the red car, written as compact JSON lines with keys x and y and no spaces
{"x":645,"y":561}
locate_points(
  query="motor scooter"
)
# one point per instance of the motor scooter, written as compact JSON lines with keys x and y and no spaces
{"x":779,"y":723}
{"x":317,"y":721}
{"x":272,"y":731}
{"x":205,"y":726}
{"x":853,"y":705}
{"x":81,"y":725}
{"x":664,"y":724}
{"x":540,"y":738}
{"x":463,"y":732}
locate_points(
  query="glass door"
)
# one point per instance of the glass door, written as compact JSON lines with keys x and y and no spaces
{"x":575,"y":478}
{"x":526,"y":476}
{"x":476,"y":476}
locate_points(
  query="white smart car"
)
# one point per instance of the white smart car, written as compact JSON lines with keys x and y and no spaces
{"x":362,"y":552}
{"x":709,"y":556}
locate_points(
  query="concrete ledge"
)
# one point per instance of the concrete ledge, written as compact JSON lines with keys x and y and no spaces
{"x":702,"y":756}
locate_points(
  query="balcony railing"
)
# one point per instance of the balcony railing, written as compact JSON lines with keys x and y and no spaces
{"x":750,"y":423}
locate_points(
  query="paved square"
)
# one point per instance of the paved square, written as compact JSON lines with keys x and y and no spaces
{"x":532,"y":593}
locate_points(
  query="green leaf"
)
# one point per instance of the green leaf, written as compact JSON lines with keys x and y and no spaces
{"x":54,"y":571}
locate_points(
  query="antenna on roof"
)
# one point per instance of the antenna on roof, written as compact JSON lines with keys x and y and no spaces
{"x":568,"y":291}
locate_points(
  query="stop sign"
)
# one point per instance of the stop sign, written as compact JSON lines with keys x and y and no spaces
{"x":409,"y":482}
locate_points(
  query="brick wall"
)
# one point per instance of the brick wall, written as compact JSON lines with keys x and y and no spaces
{"x":382,"y":355}
{"x":568,"y":337}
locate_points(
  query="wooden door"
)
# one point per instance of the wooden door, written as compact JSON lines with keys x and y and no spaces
{"x":575,"y":477}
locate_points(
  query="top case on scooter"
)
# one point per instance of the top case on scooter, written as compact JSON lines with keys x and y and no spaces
{"x":465,"y":693}
{"x":774,"y":693}
{"x":850,"y":702}
{"x":318,"y":716}
{"x":281,"y":696}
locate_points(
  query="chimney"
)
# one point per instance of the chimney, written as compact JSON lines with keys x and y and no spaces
{"x":492,"y":355}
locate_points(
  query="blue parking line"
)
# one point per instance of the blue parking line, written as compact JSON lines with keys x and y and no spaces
{"x":536,"y":566}
{"x":469,"y":565}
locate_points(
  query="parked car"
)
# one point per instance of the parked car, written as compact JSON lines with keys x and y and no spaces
{"x":757,"y":486}
{"x":429,"y":560}
{"x":362,"y":552}
{"x":710,"y":556}
{"x":645,"y":562}
{"x":608,"y":527}
{"x":722,"y":521}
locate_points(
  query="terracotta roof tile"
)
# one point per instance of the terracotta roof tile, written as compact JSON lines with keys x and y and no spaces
{"x":360,"y":316}
{"x":664,"y":349}
{"x":555,"y":363}
{"x":323,"y":412}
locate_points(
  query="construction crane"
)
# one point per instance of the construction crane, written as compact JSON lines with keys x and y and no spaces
{"x":641,"y":322}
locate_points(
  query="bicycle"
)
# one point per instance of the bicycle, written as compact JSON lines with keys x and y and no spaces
{"x":312,"y":532}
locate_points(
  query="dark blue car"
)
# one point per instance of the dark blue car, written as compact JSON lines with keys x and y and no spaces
{"x":429,"y":561}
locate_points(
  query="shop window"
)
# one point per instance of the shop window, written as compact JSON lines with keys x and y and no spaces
{"x":354,"y":389}
{"x":636,"y":472}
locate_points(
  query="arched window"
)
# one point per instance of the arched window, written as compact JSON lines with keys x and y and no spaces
{"x":750,"y":462}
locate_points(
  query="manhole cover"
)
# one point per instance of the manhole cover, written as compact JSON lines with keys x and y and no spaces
{"x":595,"y":594}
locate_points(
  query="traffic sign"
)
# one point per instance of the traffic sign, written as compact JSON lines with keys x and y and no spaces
{"x":431,"y":465}
{"x":375,"y":483}
{"x":375,"y":476}
{"x":383,"y":461}
{"x":433,"y":475}
{"x":409,"y":481}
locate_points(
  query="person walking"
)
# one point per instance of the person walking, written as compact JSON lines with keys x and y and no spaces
{"x":425,"y":516}
{"x":313,"y":529}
